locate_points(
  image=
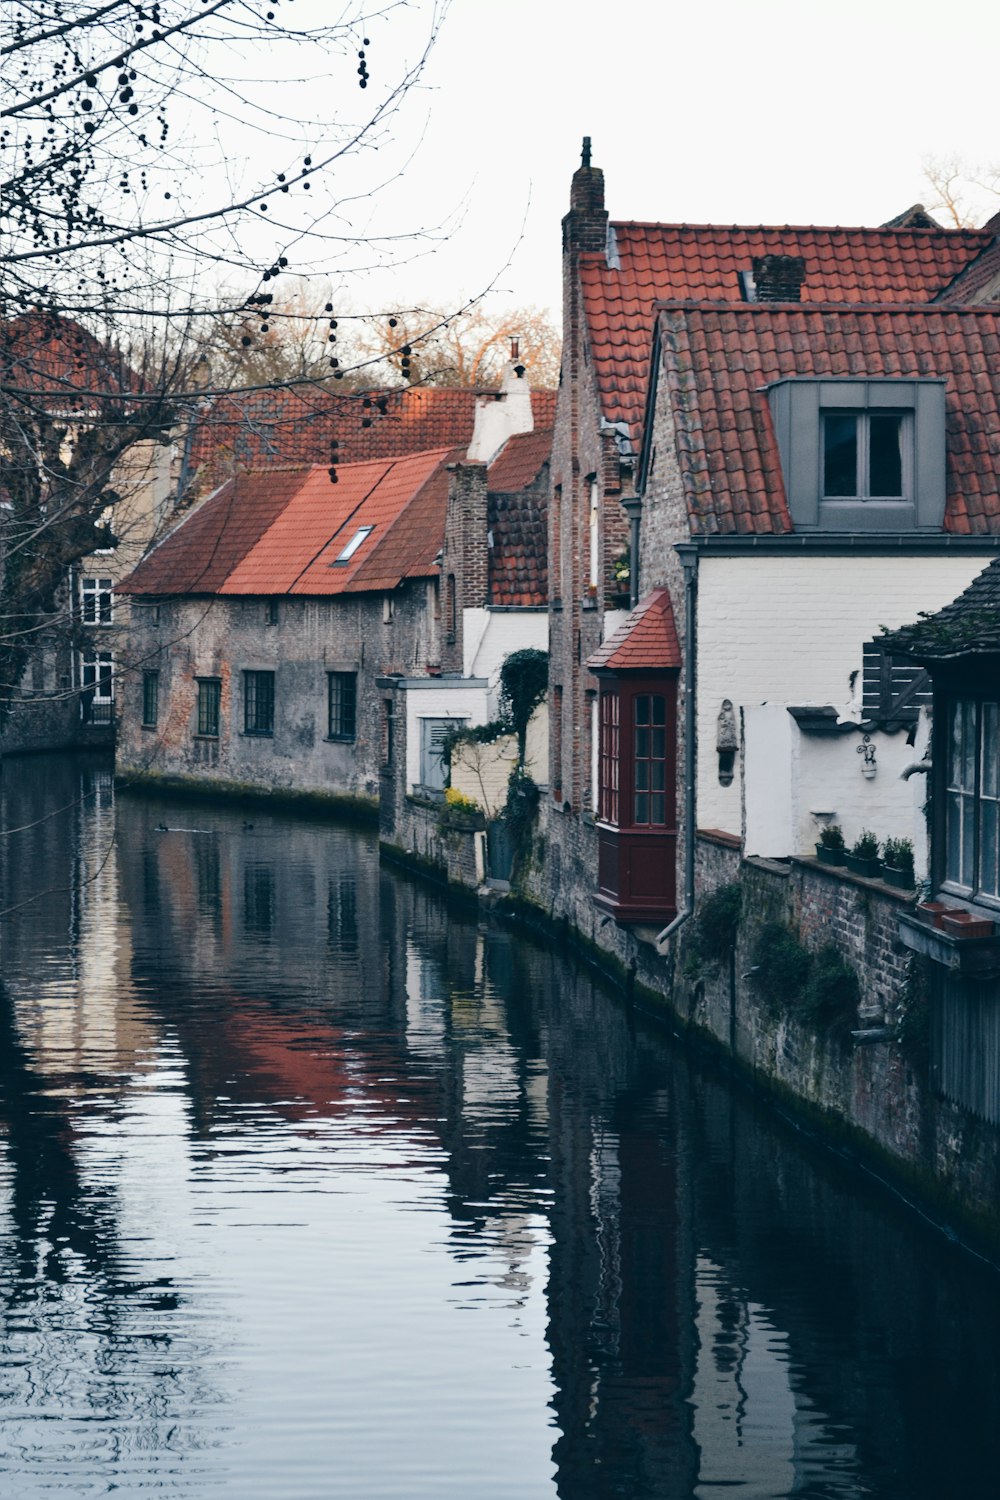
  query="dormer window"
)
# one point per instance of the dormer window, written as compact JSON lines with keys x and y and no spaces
{"x":865,"y":455}
{"x":353,"y":545}
{"x":862,"y":455}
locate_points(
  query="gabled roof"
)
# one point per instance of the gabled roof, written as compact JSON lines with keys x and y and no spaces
{"x":648,"y":263}
{"x":281,"y":532}
{"x":969,"y":626}
{"x":717,"y":360}
{"x":980,"y":281}
{"x":283,"y":427}
{"x":198,"y":556}
{"x":645,"y":642}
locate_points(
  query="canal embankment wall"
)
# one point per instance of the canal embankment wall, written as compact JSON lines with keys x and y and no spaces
{"x":794,"y":972}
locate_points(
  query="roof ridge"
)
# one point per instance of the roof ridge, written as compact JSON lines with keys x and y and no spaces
{"x":982,"y":309}
{"x":721,"y":228}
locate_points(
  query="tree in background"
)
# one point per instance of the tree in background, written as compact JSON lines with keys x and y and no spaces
{"x":148,"y":149}
{"x":964,"y":195}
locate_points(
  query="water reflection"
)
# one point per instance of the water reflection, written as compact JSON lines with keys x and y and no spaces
{"x":311,"y":1190}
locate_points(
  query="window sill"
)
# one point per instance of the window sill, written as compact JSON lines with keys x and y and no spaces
{"x":257,"y":734}
{"x":213,"y":737}
{"x":340,"y":739}
{"x":962,"y":955}
{"x":152,"y":728}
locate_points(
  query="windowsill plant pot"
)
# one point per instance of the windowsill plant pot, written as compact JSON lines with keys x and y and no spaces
{"x":830,"y":845}
{"x":863,"y":859}
{"x":897,"y":866}
{"x":965,"y":924}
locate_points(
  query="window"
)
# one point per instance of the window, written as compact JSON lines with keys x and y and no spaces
{"x":649,"y":769}
{"x":633,"y":792}
{"x":258,"y":703}
{"x":594,"y":534}
{"x":862,"y":455}
{"x":972,"y":799}
{"x":96,"y":600}
{"x":865,"y":455}
{"x":342,"y":689}
{"x":150,"y":699}
{"x":271,"y":612}
{"x":388,"y":732}
{"x":451,"y":611}
{"x":637,"y":774}
{"x":97,"y":684}
{"x":607,"y":780}
{"x":353,"y":545}
{"x":209,"y":699}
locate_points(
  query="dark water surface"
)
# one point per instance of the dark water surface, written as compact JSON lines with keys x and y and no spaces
{"x":309,"y":1190}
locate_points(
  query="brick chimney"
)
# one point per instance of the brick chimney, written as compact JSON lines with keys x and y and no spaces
{"x":585,"y":227}
{"x":779,"y":278}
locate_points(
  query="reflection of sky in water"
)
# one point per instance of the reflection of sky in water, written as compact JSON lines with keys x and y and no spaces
{"x":311,"y":1191}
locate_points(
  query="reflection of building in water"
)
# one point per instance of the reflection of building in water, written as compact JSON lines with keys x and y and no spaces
{"x":76,"y":1013}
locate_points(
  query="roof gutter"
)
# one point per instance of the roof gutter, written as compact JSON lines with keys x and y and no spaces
{"x":689,"y":559}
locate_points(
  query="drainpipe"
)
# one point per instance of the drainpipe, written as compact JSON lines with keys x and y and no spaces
{"x":689,"y":558}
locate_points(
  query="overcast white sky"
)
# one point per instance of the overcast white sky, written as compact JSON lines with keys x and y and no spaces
{"x":760,"y":112}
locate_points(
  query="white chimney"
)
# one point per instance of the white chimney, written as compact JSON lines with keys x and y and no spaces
{"x":499,"y":417}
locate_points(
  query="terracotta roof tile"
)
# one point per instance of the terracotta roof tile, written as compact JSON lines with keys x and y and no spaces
{"x":198,"y":556}
{"x":980,"y":282}
{"x":520,"y":461}
{"x":646,"y":641}
{"x":654,"y":262}
{"x":242,"y":432}
{"x":717,"y":360}
{"x":517,"y":517}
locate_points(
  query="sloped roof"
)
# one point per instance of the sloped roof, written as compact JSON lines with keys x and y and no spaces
{"x":198,"y":556}
{"x":718,"y":359}
{"x":249,"y":431}
{"x":980,"y":281}
{"x":280,"y":532}
{"x":645,"y":641}
{"x":517,"y":518}
{"x":659,"y":262}
{"x":48,"y":357}
{"x":969,"y":626}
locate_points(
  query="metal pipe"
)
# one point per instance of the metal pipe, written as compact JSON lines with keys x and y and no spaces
{"x":690,"y":562}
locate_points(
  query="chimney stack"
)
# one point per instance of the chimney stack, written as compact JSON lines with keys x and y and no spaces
{"x":779,"y":278}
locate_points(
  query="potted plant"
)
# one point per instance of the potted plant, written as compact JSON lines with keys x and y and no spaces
{"x":863,"y":858}
{"x":830,"y":848}
{"x":897,"y":864}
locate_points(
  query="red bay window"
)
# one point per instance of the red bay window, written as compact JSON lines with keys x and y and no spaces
{"x":637,"y":669}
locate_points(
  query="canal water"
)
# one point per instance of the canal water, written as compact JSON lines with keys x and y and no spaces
{"x":312,"y":1188}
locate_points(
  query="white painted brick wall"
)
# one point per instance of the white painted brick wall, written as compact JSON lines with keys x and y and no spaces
{"x":790,"y":630}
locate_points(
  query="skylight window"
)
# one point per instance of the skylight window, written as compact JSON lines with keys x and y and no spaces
{"x":353,"y":544}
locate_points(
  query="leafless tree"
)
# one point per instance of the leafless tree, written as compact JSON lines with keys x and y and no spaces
{"x":151,"y":152}
{"x":964,"y":195}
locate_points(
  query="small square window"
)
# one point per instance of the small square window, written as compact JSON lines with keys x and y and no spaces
{"x":342,"y":688}
{"x":209,"y":700}
{"x":258,"y":703}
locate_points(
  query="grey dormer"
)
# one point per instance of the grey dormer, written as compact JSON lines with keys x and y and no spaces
{"x":862,"y":455}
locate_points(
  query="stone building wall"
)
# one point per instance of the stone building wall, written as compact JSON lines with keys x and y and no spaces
{"x":187,"y":639}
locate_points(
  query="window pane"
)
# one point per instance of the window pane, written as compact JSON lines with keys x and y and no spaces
{"x":991,"y":749}
{"x":659,"y":744}
{"x":642,"y":775}
{"x":659,"y":775}
{"x":885,"y":454}
{"x":642,"y":742}
{"x":642,"y":807}
{"x":642,"y":709}
{"x":658,"y":809}
{"x":840,"y":454}
{"x":989,"y":816}
{"x":968,"y":835}
{"x":659,"y":710}
{"x":954,"y":811}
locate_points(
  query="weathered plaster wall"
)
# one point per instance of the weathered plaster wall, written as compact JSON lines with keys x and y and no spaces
{"x":790,"y":630}
{"x":223,"y":638}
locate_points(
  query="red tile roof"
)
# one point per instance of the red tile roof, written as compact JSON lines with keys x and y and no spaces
{"x":517,"y":517}
{"x":53,"y":358}
{"x":980,"y":281}
{"x":242,"y":432}
{"x":717,"y":359}
{"x":657,"y":262}
{"x":198,"y":556}
{"x":280,"y":532}
{"x":646,"y":641}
